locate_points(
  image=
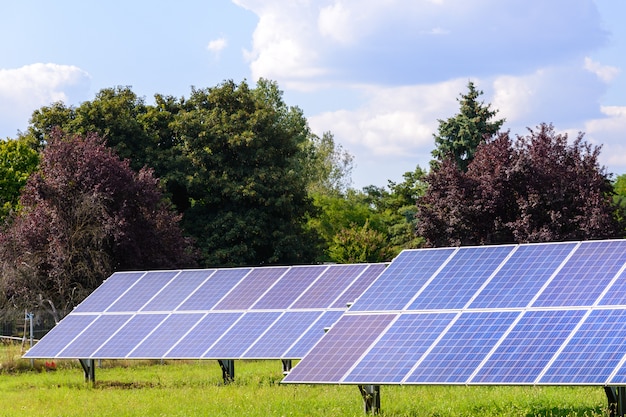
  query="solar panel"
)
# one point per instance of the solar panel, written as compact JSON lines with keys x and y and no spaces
{"x":585,"y":275}
{"x":353,"y":335}
{"x":126,"y":338}
{"x":244,"y":333}
{"x":116,"y":285}
{"x":550,"y":313}
{"x":519,"y":280}
{"x":359,"y":285}
{"x":313,"y":334}
{"x":214,"y":289}
{"x":165,"y":335}
{"x":248,"y":290}
{"x":213,"y":313}
{"x":392,"y":291}
{"x":200,"y":338}
{"x":143,"y":290}
{"x":529,"y":347}
{"x":392,"y":357}
{"x":593,"y":352}
{"x":330,"y":285}
{"x":462,"y":276}
{"x":462,"y":348}
{"x":178,"y":290}
{"x":290,"y":287}
{"x":282,"y":334}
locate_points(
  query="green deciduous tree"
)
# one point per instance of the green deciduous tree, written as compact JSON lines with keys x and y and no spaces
{"x":18,"y":160}
{"x":247,"y":182}
{"x":459,"y":136}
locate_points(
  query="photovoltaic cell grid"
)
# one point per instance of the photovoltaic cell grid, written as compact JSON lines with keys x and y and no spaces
{"x":551,"y":313}
{"x":264,"y":313}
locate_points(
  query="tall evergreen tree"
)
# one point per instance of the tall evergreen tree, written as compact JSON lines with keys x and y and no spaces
{"x":459,"y":136}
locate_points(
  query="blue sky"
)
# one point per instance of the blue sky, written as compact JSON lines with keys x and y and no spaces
{"x":376,"y":73}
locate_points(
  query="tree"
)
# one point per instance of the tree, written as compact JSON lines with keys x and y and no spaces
{"x":245,"y":151}
{"x":328,"y":165}
{"x":536,"y":189}
{"x":18,"y":160}
{"x":360,"y":244}
{"x":86,"y":214}
{"x":459,"y":136}
{"x":619,"y":199}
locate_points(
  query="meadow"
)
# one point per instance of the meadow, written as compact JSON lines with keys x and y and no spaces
{"x":196,"y":388}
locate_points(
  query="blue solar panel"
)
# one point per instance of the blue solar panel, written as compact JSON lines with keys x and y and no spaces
{"x":290,"y":287}
{"x":332,"y":283}
{"x":203,"y":335}
{"x":351,"y":337}
{"x":163,"y":338}
{"x":282,"y":334}
{"x":108,"y":292}
{"x":214,"y":289}
{"x":140,"y":293}
{"x":251,"y":288}
{"x":94,"y":336}
{"x":129,"y":336}
{"x":523,"y":275}
{"x":616,"y":294}
{"x":359,"y":286}
{"x":397,"y":285}
{"x":60,"y":336}
{"x":528,"y":348}
{"x":393,"y":356}
{"x":463,"y":347}
{"x":593,"y":352}
{"x":314,"y":333}
{"x":241,"y":335}
{"x":178,"y":290}
{"x":459,"y":280}
{"x":585,"y":275}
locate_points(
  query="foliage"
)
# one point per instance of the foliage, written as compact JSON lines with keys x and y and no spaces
{"x":360,"y":244}
{"x":619,"y":199}
{"x":18,"y":160}
{"x":538,"y":188}
{"x":85,"y":214}
{"x":245,"y":150}
{"x":329,"y":166}
{"x":459,"y":136}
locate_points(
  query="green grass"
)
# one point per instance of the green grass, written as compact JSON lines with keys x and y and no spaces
{"x":195,"y":388}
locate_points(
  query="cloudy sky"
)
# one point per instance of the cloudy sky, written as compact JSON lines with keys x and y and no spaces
{"x":378,"y":74}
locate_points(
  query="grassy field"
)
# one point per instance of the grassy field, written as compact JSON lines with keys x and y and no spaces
{"x":177,"y":388}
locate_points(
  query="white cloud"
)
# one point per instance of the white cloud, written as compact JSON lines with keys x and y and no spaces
{"x":217,"y":45}
{"x":605,"y":72}
{"x":608,"y":131}
{"x":23,"y":90}
{"x":415,"y":41}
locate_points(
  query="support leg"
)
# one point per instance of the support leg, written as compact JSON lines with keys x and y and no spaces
{"x":89,"y":367}
{"x":616,"y":397}
{"x":228,"y":370}
{"x":286,"y":366}
{"x":371,"y":398}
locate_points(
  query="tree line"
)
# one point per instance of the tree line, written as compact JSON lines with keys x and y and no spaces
{"x":233,"y":176}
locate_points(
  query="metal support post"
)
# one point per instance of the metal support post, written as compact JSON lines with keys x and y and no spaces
{"x":371,"y":398}
{"x":617,"y":401}
{"x":286,"y":366}
{"x":89,"y":367}
{"x":228,"y":370}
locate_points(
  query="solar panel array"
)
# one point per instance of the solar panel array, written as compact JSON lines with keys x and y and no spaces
{"x":552,"y":313}
{"x":236,"y":313}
